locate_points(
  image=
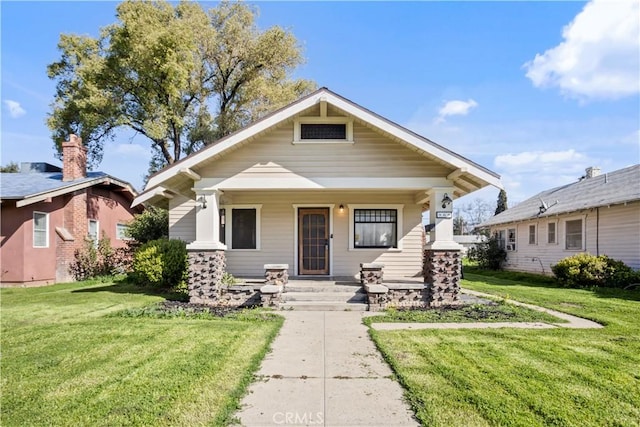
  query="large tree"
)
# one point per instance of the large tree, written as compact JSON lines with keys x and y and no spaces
{"x":179,"y":75}
{"x":501,"y":204}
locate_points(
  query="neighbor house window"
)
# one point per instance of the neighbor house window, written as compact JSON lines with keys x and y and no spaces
{"x":501,"y":235}
{"x":40,"y":230}
{"x":551,"y":232}
{"x":511,"y":239}
{"x":240,"y":226}
{"x":93,"y":231}
{"x":532,"y":234}
{"x":375,"y":228}
{"x":573,"y":238}
{"x":121,"y":231}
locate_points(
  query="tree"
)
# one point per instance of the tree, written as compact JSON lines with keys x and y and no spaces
{"x":10,"y":167}
{"x":476,"y":213}
{"x":501,"y":204}
{"x":152,"y":224}
{"x":178,"y":75}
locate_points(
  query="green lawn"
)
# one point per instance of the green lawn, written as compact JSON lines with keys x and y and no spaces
{"x":68,"y":360}
{"x":560,"y":377}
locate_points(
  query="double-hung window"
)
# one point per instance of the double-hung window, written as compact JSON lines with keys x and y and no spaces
{"x":93,"y":231}
{"x":551,"y":233}
{"x":240,"y":226}
{"x":573,"y":235}
{"x":40,"y":230}
{"x":532,"y":234}
{"x":121,"y":231}
{"x":511,"y":239}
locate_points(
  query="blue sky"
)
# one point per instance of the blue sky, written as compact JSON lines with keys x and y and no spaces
{"x":536,"y":91}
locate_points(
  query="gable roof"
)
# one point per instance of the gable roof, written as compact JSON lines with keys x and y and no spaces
{"x":613,"y":188}
{"x":461,"y":165}
{"x":33,"y":187}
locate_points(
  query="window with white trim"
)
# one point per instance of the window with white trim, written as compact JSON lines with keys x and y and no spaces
{"x":551,"y":233}
{"x":121,"y":231}
{"x":532,"y":234}
{"x":502,"y":238}
{"x":375,"y":226}
{"x":240,"y":226}
{"x":40,"y":230}
{"x":573,"y":235}
{"x":92,"y":231}
{"x":511,"y":239}
{"x":323,"y":130}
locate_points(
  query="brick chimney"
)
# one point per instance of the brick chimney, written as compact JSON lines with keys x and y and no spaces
{"x":74,"y":159}
{"x":592,"y":172}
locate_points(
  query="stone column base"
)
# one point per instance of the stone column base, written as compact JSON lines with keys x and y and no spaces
{"x":206,"y":268}
{"x":441,"y":272}
{"x":371,"y":273}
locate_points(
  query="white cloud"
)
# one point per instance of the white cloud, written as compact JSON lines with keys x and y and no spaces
{"x":133,"y":150}
{"x":537,"y":159}
{"x":599,"y":55}
{"x":15,"y":109}
{"x":455,"y":108}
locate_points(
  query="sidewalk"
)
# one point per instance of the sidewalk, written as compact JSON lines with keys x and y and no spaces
{"x":324,"y":370}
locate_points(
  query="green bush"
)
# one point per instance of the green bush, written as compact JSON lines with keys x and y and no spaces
{"x":586,"y":270}
{"x":152,"y":224}
{"x":98,"y":260}
{"x":161,"y":264}
{"x":489,"y":255}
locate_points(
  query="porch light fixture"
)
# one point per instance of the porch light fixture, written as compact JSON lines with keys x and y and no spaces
{"x":341,"y":208}
{"x":202,"y":201}
{"x":446,"y":201}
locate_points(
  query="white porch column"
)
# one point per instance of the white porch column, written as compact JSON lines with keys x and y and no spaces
{"x":207,"y":221}
{"x":441,"y":236}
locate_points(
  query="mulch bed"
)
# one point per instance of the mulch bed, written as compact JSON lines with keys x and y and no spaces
{"x":174,"y":306}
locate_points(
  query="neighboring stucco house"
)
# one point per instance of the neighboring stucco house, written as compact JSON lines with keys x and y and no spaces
{"x":47,"y":212}
{"x":321,"y":185}
{"x":599,"y":214}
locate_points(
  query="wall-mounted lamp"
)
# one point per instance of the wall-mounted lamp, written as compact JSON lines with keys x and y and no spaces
{"x":446,"y":201}
{"x":202,"y":201}
{"x":341,"y":208}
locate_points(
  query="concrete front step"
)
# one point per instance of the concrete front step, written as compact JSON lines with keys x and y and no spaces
{"x":291,"y":287}
{"x":322,"y":306}
{"x":334,"y":297}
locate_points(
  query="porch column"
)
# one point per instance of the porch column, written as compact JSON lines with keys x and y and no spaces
{"x":207,"y":261}
{"x":442,"y":259}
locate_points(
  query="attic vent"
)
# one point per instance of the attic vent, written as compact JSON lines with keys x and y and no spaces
{"x":323,"y":131}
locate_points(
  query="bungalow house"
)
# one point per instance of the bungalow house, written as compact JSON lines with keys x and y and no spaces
{"x":599,"y":214}
{"x":321,"y":187}
{"x":47,"y":212}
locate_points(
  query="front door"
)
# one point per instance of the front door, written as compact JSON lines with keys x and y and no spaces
{"x":313,"y":240}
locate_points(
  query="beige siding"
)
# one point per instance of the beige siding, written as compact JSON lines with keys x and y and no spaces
{"x":182,"y":219}
{"x":278,"y":224}
{"x":371,"y":155}
{"x":612,"y":231}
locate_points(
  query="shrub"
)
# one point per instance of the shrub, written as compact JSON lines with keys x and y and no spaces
{"x":489,"y":255}
{"x":161,"y":264}
{"x":586,"y":270}
{"x":152,"y":224}
{"x":97,"y":260}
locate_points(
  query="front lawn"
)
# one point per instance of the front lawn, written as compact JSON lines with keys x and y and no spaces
{"x":514,"y":377}
{"x":68,"y":358}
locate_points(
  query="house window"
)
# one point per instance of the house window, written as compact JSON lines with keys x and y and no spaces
{"x":511,"y":239}
{"x":551,"y":232}
{"x":243,"y":230}
{"x":121,"y":231}
{"x":375,"y":228}
{"x":573,"y":239}
{"x":323,"y":131}
{"x":501,"y":235}
{"x":93,"y":231}
{"x":40,"y":230}
{"x":532,"y":234}
{"x":310,"y":130}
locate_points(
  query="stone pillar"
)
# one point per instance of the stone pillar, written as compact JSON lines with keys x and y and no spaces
{"x":441,"y":271}
{"x":371,"y":273}
{"x":442,"y":259}
{"x":207,"y":260}
{"x":276,"y":274}
{"x":206,"y":268}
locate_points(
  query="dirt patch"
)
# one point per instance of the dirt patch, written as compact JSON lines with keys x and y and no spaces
{"x":177,"y":306}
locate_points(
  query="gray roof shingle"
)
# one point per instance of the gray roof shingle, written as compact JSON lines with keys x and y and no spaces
{"x":607,"y":189}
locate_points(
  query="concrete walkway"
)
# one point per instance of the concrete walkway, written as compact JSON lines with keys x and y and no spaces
{"x":572,"y":321}
{"x":324,"y":370}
